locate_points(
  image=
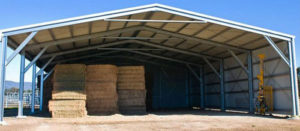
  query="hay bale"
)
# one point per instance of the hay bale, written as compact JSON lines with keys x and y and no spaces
{"x":68,"y":85}
{"x":67,"y":108}
{"x":68,"y":113}
{"x":61,"y":104}
{"x":131,"y":85}
{"x":101,"y":73}
{"x":101,"y":89}
{"x":131,"y":89}
{"x":69,"y":72}
{"x":68,"y":95}
{"x":129,"y":94}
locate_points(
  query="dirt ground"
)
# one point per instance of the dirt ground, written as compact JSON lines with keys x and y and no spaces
{"x":163,"y":120}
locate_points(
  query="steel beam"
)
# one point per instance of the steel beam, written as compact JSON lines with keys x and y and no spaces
{"x":281,"y":54}
{"x":165,"y":58}
{"x":140,"y":38}
{"x":293,"y":77}
{"x":49,"y":73}
{"x":3,"y":41}
{"x":21,"y":85}
{"x":41,"y":90}
{"x":202,"y":41}
{"x":83,"y":57}
{"x":124,"y":49}
{"x":86,"y":48}
{"x":212,"y":67}
{"x":82,"y":37}
{"x":36,"y":58}
{"x":222,"y":90}
{"x":193,"y":72}
{"x":155,"y":21}
{"x":20,"y":47}
{"x":33,"y":88}
{"x":250,"y":82}
{"x":173,"y":49}
{"x":202,"y":97}
{"x":44,"y":67}
{"x":236,"y":58}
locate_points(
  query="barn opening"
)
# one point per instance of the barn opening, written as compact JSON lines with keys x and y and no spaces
{"x":190,"y":59}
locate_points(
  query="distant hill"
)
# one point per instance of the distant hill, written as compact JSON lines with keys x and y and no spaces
{"x":11,"y":84}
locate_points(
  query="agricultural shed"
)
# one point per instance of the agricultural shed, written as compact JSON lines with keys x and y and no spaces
{"x":191,"y":59}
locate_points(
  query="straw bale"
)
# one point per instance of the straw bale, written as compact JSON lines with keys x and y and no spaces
{"x":132,"y":102}
{"x":68,"y":113}
{"x":69,"y":85}
{"x":131,"y":85}
{"x":70,"y":95}
{"x":131,"y":94}
{"x":69,"y":72}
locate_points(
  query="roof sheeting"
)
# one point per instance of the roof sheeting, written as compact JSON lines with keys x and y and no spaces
{"x":211,"y":39}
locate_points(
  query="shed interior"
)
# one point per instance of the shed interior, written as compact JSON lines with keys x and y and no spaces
{"x":177,"y":57}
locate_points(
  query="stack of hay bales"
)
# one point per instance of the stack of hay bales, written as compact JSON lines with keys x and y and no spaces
{"x":131,"y":89}
{"x":48,"y":87}
{"x":68,"y":94}
{"x":102,"y":97}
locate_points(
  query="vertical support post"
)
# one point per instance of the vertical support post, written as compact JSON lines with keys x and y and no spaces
{"x":187,"y":94}
{"x":201,"y":74}
{"x":41,"y":90}
{"x":21,"y":85}
{"x":3,"y":42}
{"x":33,"y":88}
{"x":160,"y":86}
{"x":222,"y":91}
{"x":250,"y":82}
{"x":293,"y":78}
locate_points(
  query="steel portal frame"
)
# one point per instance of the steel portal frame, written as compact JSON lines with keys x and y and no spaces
{"x":33,"y":29}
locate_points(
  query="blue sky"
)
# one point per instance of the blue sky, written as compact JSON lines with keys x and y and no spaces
{"x":278,"y":15}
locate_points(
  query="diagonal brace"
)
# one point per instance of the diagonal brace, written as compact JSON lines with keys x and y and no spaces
{"x":36,"y":58}
{"x":43,"y":68}
{"x":20,"y":47}
{"x":236,"y":58}
{"x":48,"y":74}
{"x":212,"y":67}
{"x":194,"y":73}
{"x":281,"y":54}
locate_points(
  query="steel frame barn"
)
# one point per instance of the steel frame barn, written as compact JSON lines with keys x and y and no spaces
{"x":220,"y":54}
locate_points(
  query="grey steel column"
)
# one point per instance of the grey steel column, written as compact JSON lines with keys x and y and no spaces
{"x":222,"y":91}
{"x":293,"y":78}
{"x":21,"y":85}
{"x":2,"y":76}
{"x":33,"y":87}
{"x":41,"y":90}
{"x":201,"y":88}
{"x":250,"y":83}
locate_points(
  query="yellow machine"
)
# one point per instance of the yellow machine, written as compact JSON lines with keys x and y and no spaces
{"x":265,"y":93}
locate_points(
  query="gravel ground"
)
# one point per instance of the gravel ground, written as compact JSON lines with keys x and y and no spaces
{"x":168,"y":120}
